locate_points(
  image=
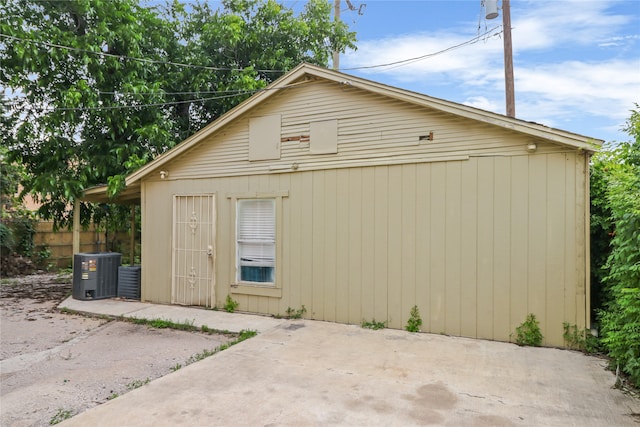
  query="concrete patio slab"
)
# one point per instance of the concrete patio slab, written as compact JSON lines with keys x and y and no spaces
{"x":309,"y":373}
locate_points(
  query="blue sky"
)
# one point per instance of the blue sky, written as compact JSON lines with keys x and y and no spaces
{"x":576,"y":62}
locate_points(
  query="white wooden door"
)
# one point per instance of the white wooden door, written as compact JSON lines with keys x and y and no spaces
{"x":193,"y":254}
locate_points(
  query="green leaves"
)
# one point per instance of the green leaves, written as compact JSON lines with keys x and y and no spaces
{"x":616,"y":181}
{"x":100,"y":89}
{"x":528,"y":333}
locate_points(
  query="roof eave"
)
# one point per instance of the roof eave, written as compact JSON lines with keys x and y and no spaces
{"x":98,"y":194}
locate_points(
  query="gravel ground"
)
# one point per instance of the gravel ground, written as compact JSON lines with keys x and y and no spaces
{"x":54,"y":365}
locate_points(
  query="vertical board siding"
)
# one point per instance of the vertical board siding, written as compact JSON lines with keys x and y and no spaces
{"x":395,"y":284}
{"x":423,"y":247}
{"x":330,"y":245}
{"x":354,"y":264}
{"x":408,"y":241}
{"x":304,"y":199}
{"x":537,"y":240}
{"x":437,"y":239}
{"x":469,"y":248}
{"x":518,"y":236}
{"x":501,"y":248}
{"x":476,"y":245}
{"x":453,"y":261}
{"x":485,"y":239}
{"x":381,"y":245}
{"x":367,"y":237}
{"x":318,"y":253}
{"x":555,"y":250}
{"x":343,"y":247}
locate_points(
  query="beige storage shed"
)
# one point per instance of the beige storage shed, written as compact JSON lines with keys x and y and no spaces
{"x":359,"y":200}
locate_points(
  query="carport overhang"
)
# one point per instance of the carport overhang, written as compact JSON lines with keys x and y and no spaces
{"x":129,"y":196}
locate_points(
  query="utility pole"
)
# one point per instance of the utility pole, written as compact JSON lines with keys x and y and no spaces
{"x":508,"y":60}
{"x":492,"y":12}
{"x":336,"y":18}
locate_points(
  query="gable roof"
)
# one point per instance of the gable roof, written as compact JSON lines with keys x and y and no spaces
{"x":306,"y":72}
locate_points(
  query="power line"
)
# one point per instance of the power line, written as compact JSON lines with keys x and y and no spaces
{"x":119,"y":107}
{"x":400,"y":63}
{"x":391,"y":65}
{"x":146,"y":60}
{"x":175,"y":93}
{"x":156,"y":93}
{"x":45,"y":109}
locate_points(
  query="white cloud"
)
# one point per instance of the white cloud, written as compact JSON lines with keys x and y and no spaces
{"x":543,"y":25}
{"x":578,"y":85}
{"x":596,"y":88}
{"x":467,"y":63}
{"x":483,"y":103}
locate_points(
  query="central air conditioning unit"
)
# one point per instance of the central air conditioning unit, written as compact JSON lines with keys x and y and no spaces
{"x":95,"y":275}
{"x":129,"y":282}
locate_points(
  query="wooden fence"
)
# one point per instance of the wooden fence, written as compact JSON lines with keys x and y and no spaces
{"x":59,"y":244}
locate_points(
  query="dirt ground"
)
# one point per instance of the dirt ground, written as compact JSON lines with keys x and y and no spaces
{"x":54,"y":365}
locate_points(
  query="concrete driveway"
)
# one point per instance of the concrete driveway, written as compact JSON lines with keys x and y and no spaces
{"x":308,"y":373}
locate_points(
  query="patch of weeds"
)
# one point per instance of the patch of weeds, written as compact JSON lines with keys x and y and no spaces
{"x":373,"y":324}
{"x":211,"y":331}
{"x":580,"y":339}
{"x":112,"y":396}
{"x":137,"y":384}
{"x":9,"y":282}
{"x":231,"y":304}
{"x":176,"y":367}
{"x":202,"y":355}
{"x":60,"y":416}
{"x":243,"y":335}
{"x":296,"y":314}
{"x":186,"y":325}
{"x":528,"y":333}
{"x":415,"y":321}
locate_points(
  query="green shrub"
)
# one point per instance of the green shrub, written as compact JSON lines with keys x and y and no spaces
{"x":16,"y":234}
{"x":231,"y":304}
{"x":528,"y":333}
{"x":7,"y":241}
{"x":415,"y":322}
{"x":296,"y":314}
{"x":373,"y":325}
{"x":620,"y":316}
{"x":621,"y":331}
{"x":580,"y":339}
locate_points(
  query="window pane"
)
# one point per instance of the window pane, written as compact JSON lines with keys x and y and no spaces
{"x":256,"y":240}
{"x":257,"y":274}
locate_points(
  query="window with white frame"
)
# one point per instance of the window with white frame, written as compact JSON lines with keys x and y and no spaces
{"x":256,"y":240}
